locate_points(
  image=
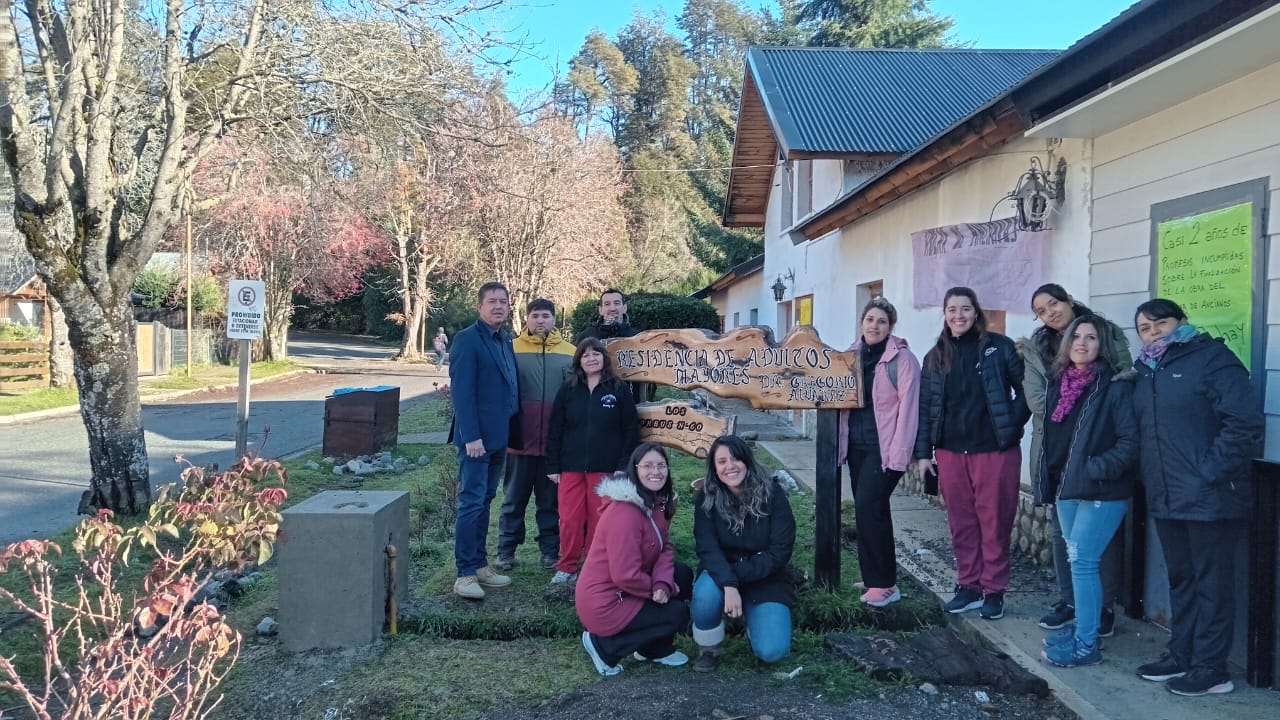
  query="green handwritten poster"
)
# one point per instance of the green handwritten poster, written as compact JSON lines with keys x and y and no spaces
{"x":1206,"y":266}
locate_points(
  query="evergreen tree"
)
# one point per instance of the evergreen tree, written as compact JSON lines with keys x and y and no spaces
{"x":873,"y":23}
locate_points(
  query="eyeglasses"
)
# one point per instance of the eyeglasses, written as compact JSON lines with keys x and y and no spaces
{"x":648,"y":467}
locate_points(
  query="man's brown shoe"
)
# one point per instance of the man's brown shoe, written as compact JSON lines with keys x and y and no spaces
{"x":468,"y":587}
{"x":488,"y":577}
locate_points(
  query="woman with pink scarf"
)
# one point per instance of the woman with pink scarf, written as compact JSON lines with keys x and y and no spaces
{"x":1088,"y":454}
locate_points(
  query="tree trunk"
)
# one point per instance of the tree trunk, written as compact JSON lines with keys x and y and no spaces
{"x":277,"y":311}
{"x":106,"y":369}
{"x":61,"y":358}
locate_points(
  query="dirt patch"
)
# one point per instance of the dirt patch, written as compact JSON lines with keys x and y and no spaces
{"x":688,"y":696}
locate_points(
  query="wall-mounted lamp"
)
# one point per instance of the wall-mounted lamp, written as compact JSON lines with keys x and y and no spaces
{"x":1033,"y":192}
{"x":780,"y":288}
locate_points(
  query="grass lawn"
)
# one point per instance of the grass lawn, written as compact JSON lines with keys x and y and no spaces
{"x":42,"y":399}
{"x":431,"y":415}
{"x":202,"y":376}
{"x":455,"y":659}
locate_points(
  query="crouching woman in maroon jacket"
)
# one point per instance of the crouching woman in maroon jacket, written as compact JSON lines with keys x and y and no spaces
{"x":626,"y":594}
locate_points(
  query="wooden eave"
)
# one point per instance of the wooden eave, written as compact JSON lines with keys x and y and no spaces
{"x":970,"y":140}
{"x":755,"y":155}
{"x":32,"y":289}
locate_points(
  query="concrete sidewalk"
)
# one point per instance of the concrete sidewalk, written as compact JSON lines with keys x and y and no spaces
{"x":1109,"y":690}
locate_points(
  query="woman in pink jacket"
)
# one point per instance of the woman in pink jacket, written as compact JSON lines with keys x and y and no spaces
{"x":877,"y":440}
{"x":628,"y":596}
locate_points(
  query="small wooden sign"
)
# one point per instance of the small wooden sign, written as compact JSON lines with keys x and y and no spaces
{"x":683,"y":425}
{"x":798,"y":373}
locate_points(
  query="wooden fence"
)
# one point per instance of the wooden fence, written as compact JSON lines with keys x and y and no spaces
{"x":23,"y":365}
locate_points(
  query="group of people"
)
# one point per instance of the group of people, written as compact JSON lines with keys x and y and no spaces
{"x":1179,"y":424}
{"x":566,"y":430}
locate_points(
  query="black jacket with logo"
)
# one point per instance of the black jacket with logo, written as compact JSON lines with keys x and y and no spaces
{"x":592,"y":431}
{"x":1200,"y":425}
{"x":755,"y":559}
{"x":1001,"y":371}
{"x":1103,"y":454}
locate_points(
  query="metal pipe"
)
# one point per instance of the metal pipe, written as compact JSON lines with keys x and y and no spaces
{"x":390,"y":550}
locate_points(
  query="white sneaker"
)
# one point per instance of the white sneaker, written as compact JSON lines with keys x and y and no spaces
{"x":561,"y":577}
{"x":489,"y":578}
{"x":675,"y":659}
{"x":468,"y":587}
{"x":590,"y":647}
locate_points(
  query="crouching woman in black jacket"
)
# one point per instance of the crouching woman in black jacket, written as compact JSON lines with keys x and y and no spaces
{"x":1200,"y":424}
{"x":744,"y":532}
{"x":1090,"y":445}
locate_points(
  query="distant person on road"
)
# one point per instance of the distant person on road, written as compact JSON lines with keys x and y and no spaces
{"x":744,"y":533}
{"x":441,"y":344}
{"x":632,"y":596}
{"x":1200,"y":423}
{"x":877,"y":440}
{"x":543,"y":362}
{"x":1087,"y":458}
{"x":1057,"y":309}
{"x":594,"y":427}
{"x":971,"y":414}
{"x":613,"y":322}
{"x":482,"y":375}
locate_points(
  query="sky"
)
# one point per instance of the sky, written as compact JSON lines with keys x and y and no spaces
{"x":555,"y":29}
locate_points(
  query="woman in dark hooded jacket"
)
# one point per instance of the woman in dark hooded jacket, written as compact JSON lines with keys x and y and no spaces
{"x":1090,"y":446}
{"x":1200,"y":423}
{"x":1056,"y":309}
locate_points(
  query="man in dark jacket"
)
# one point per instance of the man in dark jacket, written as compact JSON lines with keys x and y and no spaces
{"x":543,"y":361}
{"x":482,"y":375}
{"x":613,"y":322}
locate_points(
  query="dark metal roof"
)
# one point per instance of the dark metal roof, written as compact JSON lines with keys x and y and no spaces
{"x":16,"y":266}
{"x":840,"y":100}
{"x":741,"y":270}
{"x":1142,"y":35}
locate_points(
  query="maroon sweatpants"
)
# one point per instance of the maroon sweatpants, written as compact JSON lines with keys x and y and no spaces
{"x":579,"y":510}
{"x":981,"y":493}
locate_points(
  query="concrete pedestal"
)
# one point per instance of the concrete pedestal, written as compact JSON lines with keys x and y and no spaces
{"x":333,"y":567}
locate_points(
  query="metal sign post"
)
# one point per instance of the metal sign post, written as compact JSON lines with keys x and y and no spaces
{"x":246,"y":301}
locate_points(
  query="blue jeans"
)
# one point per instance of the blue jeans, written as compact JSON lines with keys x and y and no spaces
{"x":478,"y":480}
{"x":1087,"y":527}
{"x":768,"y":624}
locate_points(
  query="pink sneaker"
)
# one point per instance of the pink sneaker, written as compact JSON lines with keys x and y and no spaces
{"x":880,"y":597}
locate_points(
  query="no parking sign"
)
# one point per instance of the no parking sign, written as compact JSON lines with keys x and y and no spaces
{"x":246,"y":300}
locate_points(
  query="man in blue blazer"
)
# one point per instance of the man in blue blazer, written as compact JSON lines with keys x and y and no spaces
{"x":482,"y":376}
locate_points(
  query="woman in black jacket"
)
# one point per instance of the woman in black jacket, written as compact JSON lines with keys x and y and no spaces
{"x":971,"y":413}
{"x":1056,"y":309}
{"x":743,"y":531}
{"x":1090,"y":444}
{"x":592,"y":431}
{"x":1200,"y":424}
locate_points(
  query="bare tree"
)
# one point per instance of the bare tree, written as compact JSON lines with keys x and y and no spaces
{"x":107,"y":106}
{"x":547,"y":218}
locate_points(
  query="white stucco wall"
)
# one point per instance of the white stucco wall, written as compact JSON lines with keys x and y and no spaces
{"x":1225,"y":136}
{"x":745,"y":295}
{"x":879,"y":247}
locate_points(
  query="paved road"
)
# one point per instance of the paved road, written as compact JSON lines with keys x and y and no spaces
{"x":44,"y":463}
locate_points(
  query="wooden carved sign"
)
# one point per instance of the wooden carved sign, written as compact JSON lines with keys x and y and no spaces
{"x":798,"y":373}
{"x":683,"y":425}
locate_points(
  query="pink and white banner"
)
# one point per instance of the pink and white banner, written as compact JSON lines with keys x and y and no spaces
{"x":1002,"y":264}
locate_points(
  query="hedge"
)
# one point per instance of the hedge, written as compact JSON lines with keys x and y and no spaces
{"x":651,"y":311}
